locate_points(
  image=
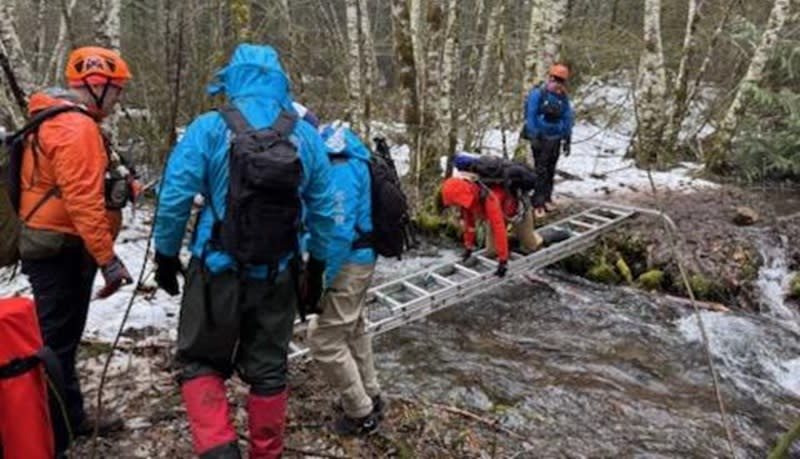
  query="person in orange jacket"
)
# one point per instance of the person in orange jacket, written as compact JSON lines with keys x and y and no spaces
{"x":65,"y":197}
{"x":495,"y":205}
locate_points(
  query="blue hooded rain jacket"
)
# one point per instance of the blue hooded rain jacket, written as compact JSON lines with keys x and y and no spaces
{"x":353,"y":199}
{"x":257,"y":85}
{"x":537,"y":125}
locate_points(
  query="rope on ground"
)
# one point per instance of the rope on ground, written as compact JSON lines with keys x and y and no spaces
{"x":673,"y":231}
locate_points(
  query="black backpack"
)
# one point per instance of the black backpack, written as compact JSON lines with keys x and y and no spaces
{"x":550,"y":106}
{"x":10,"y":187}
{"x":392,"y":232}
{"x":263,"y":213}
{"x":515,"y":177}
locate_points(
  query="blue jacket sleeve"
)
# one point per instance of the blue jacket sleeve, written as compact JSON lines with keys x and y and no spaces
{"x":532,"y":113}
{"x":184,"y":178}
{"x":317,"y":194}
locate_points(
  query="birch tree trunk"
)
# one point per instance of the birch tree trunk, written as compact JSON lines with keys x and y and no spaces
{"x":107,"y":23}
{"x":415,"y":18}
{"x":354,"y":63}
{"x":13,"y":48}
{"x":534,"y":44}
{"x":502,"y":82}
{"x":651,"y":89}
{"x":555,"y":13}
{"x":368,"y":62}
{"x":716,"y":160}
{"x":448,"y":95}
{"x":489,"y":46}
{"x":680,"y":88}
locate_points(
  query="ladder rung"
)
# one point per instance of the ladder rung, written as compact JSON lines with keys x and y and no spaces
{"x":486,"y":260}
{"x":416,"y":289}
{"x":599,"y":218}
{"x":384,"y":297}
{"x":442,"y":279}
{"x":466,"y":270}
{"x":580,"y":223}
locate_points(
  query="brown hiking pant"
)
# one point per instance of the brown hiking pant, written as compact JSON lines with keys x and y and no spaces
{"x":529,"y":240}
{"x":339,"y":343}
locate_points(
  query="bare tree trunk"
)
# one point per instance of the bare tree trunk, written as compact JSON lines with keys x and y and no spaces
{"x":500,"y":99}
{"x":726,"y":14}
{"x":107,"y":23}
{"x":449,"y":58}
{"x":415,"y":17}
{"x":716,"y":159}
{"x":354,"y":63}
{"x":369,"y":63}
{"x":13,"y":48}
{"x":550,"y":43}
{"x":41,"y":37}
{"x":680,"y":88}
{"x":56,"y":64}
{"x":489,"y":45}
{"x":532,"y":63}
{"x":651,"y":89}
{"x":407,"y":71}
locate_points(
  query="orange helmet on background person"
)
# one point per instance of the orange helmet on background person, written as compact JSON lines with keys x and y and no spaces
{"x":559,"y":71}
{"x":92,"y":65}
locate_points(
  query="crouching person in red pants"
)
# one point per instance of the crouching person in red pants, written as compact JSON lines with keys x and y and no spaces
{"x":262,"y":171}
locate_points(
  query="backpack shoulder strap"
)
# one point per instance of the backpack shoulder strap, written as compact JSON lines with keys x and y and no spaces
{"x":234,"y":119}
{"x":44,"y":115}
{"x":285,"y":123}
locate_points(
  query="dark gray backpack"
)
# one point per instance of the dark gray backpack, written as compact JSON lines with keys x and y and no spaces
{"x":263,"y":212}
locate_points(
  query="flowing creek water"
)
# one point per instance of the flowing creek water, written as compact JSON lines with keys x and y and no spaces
{"x":585,"y":370}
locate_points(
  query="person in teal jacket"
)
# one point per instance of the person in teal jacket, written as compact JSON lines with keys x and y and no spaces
{"x":238,"y":319}
{"x":338,"y":338}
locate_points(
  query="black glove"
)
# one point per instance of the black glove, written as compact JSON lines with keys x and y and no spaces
{"x":466,"y":255}
{"x":115,"y":275}
{"x":502,"y":267}
{"x":312,"y":286}
{"x":566,"y":147}
{"x":167,"y":269}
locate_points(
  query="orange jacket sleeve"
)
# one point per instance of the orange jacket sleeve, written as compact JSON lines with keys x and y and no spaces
{"x":497,"y":222}
{"x":79,"y":161}
{"x":469,"y":228}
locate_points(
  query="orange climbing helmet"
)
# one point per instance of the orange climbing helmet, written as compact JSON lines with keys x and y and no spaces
{"x":92,"y":65}
{"x":559,"y":71}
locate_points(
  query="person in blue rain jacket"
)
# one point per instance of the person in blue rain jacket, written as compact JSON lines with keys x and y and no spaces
{"x":238,"y":319}
{"x":338,"y":338}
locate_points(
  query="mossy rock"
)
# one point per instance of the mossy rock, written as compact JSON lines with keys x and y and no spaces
{"x":705,"y":288}
{"x":604,"y":273}
{"x":429,"y":223}
{"x":577,"y":264}
{"x":651,"y":280}
{"x":624,"y":270}
{"x":794,"y":286}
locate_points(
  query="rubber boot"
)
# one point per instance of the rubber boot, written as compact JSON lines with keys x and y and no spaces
{"x":207,"y":408}
{"x":267,"y":423}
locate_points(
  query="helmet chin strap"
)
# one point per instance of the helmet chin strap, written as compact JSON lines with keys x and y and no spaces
{"x":98,"y":100}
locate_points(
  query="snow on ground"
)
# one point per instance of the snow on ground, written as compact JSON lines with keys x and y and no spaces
{"x":597,"y":162}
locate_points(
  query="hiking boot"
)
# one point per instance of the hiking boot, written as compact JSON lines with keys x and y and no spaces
{"x":378,"y":407}
{"x":345,"y":426}
{"x":108,"y":425}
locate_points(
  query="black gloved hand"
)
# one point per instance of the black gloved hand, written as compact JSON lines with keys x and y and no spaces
{"x":466,"y":255}
{"x":167,"y":269}
{"x":115,"y":275}
{"x":312,"y":286}
{"x":566,"y":147}
{"x":502,"y":267}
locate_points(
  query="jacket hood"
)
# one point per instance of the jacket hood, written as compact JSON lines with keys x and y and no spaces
{"x":341,"y":139}
{"x":253,"y":71}
{"x":50,"y":97}
{"x":459,"y":192}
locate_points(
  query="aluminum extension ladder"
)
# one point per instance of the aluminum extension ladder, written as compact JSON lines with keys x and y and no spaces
{"x":398,"y":302}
